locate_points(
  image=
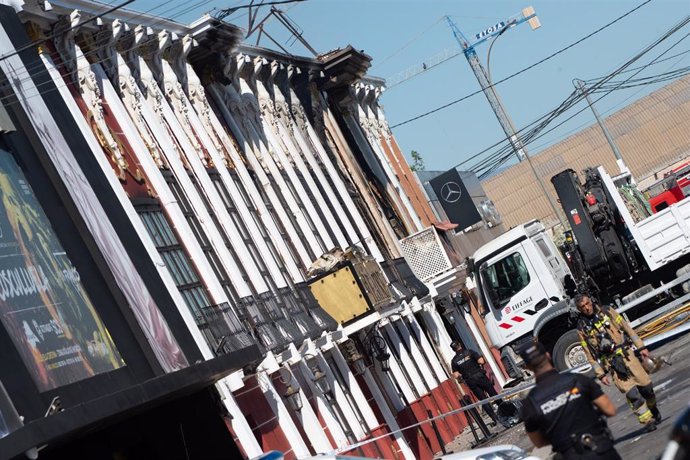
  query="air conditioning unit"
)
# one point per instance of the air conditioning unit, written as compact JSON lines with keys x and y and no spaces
{"x":489,"y":213}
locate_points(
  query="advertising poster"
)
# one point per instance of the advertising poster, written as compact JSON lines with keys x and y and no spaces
{"x":43,"y":304}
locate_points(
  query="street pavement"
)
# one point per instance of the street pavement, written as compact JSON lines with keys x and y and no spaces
{"x":672,"y":385}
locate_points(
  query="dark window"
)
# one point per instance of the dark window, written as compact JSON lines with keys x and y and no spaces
{"x":505,"y":278}
{"x":177,"y":261}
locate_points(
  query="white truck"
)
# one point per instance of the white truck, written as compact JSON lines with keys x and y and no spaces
{"x":525,"y":283}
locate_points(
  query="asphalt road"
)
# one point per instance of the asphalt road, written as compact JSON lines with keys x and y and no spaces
{"x":672,"y":387}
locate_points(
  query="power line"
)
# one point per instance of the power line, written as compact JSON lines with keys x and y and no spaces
{"x":29,"y":71}
{"x":222,"y":14}
{"x":410,"y":42}
{"x":570,"y":101}
{"x":502,"y":155}
{"x":609,"y":110}
{"x":533,"y":134}
{"x":562,"y":50}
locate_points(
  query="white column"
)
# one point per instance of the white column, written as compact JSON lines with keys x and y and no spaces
{"x":488,"y":356}
{"x":265,"y":144}
{"x":256,"y":154}
{"x":124,"y":201}
{"x":358,"y":397}
{"x":286,"y":135}
{"x":388,"y":415}
{"x":340,"y":399}
{"x":323,"y":407}
{"x":396,"y":374}
{"x":341,"y":188}
{"x":431,"y":356}
{"x":367,"y":148}
{"x":188,"y":119}
{"x":168,"y":201}
{"x":310,"y":421}
{"x":299,"y":447}
{"x":382,"y":223}
{"x":252,"y":191}
{"x":311,"y":164}
{"x":416,"y":355}
{"x":172,"y":152}
{"x":204,"y":122}
{"x":406,"y":360}
{"x":434,"y":324}
{"x":368,"y":110}
{"x":239,"y":423}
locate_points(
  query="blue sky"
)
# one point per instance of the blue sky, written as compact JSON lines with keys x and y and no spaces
{"x":399,"y":34}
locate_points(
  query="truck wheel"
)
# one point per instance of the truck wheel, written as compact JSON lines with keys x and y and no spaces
{"x":568,"y":352}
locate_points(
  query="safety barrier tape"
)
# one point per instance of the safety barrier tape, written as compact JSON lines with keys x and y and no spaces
{"x":503,"y":395}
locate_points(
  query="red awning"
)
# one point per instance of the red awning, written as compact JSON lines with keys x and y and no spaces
{"x":445,"y":225}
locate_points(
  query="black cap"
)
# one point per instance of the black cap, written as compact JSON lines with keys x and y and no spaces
{"x":533,"y":353}
{"x":455,"y":344}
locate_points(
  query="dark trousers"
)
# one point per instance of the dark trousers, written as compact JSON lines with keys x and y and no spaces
{"x":482,"y":389}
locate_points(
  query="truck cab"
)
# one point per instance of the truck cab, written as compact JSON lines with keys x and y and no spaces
{"x":518,"y":275}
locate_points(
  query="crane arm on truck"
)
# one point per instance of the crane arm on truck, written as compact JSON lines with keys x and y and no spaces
{"x":602,"y":256}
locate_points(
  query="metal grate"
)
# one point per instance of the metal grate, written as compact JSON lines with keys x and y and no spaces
{"x":373,"y":280}
{"x":425,"y":254}
{"x":286,"y":326}
{"x":270,"y":336}
{"x":402,"y":278}
{"x":223,"y":330}
{"x":298,"y":313}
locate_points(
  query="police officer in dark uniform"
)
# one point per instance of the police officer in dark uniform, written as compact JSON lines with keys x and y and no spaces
{"x":467,"y":365}
{"x":565,"y":410}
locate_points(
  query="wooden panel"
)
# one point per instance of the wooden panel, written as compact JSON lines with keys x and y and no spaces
{"x":339,"y":294}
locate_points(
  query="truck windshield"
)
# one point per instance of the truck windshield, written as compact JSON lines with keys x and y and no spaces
{"x":505,"y":278}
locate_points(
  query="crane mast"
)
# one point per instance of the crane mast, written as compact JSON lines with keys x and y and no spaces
{"x":482,"y":76}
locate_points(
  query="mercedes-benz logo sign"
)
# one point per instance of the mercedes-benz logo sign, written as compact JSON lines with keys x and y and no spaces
{"x":451,"y":192}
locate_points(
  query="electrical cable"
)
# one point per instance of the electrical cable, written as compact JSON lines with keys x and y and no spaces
{"x":525,"y":69}
{"x":582,"y":125}
{"x":532,"y":135}
{"x":591,"y":80}
{"x":407,"y":45}
{"x":39,"y":68}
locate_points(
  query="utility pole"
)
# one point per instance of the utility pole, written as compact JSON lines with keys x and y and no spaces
{"x":579,"y":84}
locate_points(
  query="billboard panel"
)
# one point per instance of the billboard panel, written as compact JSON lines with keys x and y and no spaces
{"x":455,"y":200}
{"x":43,"y":304}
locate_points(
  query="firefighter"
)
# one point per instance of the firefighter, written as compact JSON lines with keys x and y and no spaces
{"x":467,"y":367}
{"x":565,"y":411}
{"x":607,"y":340}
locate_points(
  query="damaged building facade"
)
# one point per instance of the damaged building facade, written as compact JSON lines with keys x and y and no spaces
{"x":231,"y":219}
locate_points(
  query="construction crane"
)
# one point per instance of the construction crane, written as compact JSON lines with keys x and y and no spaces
{"x":467,"y":48}
{"x":449,"y":53}
{"x":485,"y":82}
{"x":484,"y":78}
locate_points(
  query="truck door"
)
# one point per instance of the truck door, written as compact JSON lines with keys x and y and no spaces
{"x":552,"y":257}
{"x":513,"y":292}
